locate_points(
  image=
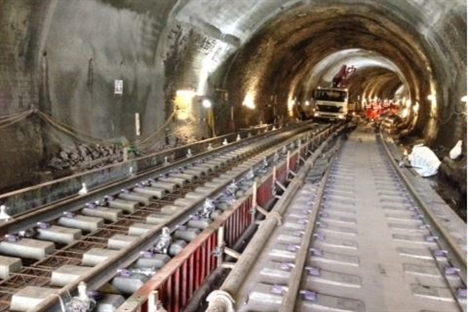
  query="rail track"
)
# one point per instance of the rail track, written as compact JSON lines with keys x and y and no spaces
{"x":108,"y":238}
{"x":356,"y":234}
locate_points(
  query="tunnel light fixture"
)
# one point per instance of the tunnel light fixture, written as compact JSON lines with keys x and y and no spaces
{"x":432,"y":98}
{"x":206,"y":103}
{"x":291,"y":103}
{"x":185,"y":93}
{"x":183,"y":103}
{"x":408,"y":103}
{"x":404,"y":113}
{"x":464,"y":98}
{"x":249,"y":101}
{"x":307,"y":103}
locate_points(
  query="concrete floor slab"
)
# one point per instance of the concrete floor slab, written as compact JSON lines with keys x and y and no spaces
{"x":85,"y":223}
{"x":136,"y":197}
{"x":119,"y":241}
{"x":105,"y":213}
{"x":138,"y":229}
{"x":151,"y":191}
{"x":59,"y":234}
{"x":29,"y":297}
{"x":95,"y":256}
{"x":168,"y":186}
{"x":9,"y":265}
{"x":27,"y":248}
{"x":125,"y":205}
{"x":67,"y":273}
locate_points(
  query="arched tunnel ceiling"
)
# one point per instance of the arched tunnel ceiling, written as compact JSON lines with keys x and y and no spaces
{"x":291,"y":45}
{"x":361,"y":59}
{"x":305,"y":36}
{"x":240,"y":19}
{"x":368,"y":64}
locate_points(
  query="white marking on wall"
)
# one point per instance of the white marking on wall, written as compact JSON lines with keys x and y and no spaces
{"x":137,"y":124}
{"x":118,"y":86}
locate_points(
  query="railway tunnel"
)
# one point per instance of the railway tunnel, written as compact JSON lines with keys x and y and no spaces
{"x":61,"y":61}
{"x":84,"y":82}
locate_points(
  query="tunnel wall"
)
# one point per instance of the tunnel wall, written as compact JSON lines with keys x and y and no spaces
{"x":21,"y":145}
{"x":62,"y":57}
{"x":447,"y":41}
{"x":91,"y":44}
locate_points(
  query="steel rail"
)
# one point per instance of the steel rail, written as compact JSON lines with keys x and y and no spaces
{"x":103,"y":272}
{"x":295,"y":280}
{"x":459,"y":257}
{"x":56,"y":209}
{"x":144,"y":297}
{"x":161,"y":154}
{"x":244,"y":265}
{"x":223,"y":299}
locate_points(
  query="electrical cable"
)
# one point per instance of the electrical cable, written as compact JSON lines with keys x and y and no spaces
{"x":14,"y":115}
{"x":12,"y":121}
{"x":80,"y":135}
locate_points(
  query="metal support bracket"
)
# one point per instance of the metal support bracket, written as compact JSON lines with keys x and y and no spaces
{"x":273,"y":214}
{"x":281,"y":185}
{"x":228,"y":265}
{"x":154,"y":305}
{"x":219,"y":251}
{"x":232,"y":253}
{"x":261,"y":210}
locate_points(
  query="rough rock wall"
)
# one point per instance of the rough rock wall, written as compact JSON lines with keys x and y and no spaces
{"x":447,"y":40}
{"x":20,"y":142}
{"x":62,"y":57}
{"x":92,"y":44}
